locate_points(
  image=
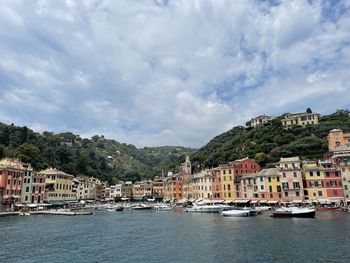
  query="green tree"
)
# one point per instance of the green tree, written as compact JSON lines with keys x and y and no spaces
{"x":29,"y":153}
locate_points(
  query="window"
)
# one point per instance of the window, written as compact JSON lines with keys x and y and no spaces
{"x":284,"y":175}
{"x":318,"y":173}
{"x":27,"y":189}
{"x":311,"y":174}
{"x":296,"y":185}
{"x":286,"y":194}
{"x":261,"y":179}
{"x":335,"y":193}
{"x":279,"y":188}
{"x":295,"y":174}
{"x":271,"y":195}
{"x":297,"y":194}
{"x":285,"y":185}
{"x":262,"y":187}
{"x":262,"y":195}
{"x":269,"y":179}
{"x":278,"y":178}
{"x":319,"y":193}
{"x":270,"y":189}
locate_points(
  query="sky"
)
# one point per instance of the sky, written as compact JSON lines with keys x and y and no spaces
{"x":163,"y":72}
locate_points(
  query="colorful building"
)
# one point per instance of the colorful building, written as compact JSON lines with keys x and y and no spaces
{"x":300,"y":119}
{"x":58,"y":185}
{"x":11,"y":180}
{"x":260,"y":120}
{"x":227,"y":181}
{"x":337,"y":140}
{"x":273,"y":185}
{"x":33,"y":187}
{"x":292,"y":180}
{"x":322,"y":181}
{"x":216,"y":184}
{"x":202,"y":183}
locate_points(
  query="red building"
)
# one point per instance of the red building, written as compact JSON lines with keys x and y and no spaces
{"x":216,"y":185}
{"x":11,"y":176}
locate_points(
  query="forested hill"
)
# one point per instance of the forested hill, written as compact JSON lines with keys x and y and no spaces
{"x":270,"y":142}
{"x":98,"y":157}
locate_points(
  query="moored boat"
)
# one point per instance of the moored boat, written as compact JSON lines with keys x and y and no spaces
{"x":207,"y":208}
{"x":294,"y":212}
{"x":162,"y":207}
{"x":236,"y":213}
{"x":327,"y":208}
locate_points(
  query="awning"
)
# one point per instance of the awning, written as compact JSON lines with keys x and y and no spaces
{"x":19,"y":205}
{"x":262,"y":201}
{"x":254,"y":201}
{"x":181,"y":201}
{"x":217,"y":201}
{"x":241,"y":201}
{"x":306,"y":202}
{"x":324,"y":201}
{"x":44,"y":205}
{"x":124,"y":198}
{"x":272,"y":202}
{"x":297,"y":201}
{"x":32,"y":205}
{"x":232,"y":201}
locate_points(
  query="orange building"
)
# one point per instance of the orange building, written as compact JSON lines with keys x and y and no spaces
{"x":337,"y":139}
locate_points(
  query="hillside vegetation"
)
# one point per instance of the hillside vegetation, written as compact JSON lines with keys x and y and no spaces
{"x":270,"y":142}
{"x":98,"y":157}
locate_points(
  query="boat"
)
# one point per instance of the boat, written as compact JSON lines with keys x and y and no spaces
{"x":141,"y":207}
{"x":162,"y":207}
{"x":24,"y":214}
{"x":119,"y":208}
{"x":294,"y":212}
{"x":327,"y":208}
{"x":207,"y":208}
{"x":262,"y":208}
{"x":236,"y":213}
{"x":239,"y":212}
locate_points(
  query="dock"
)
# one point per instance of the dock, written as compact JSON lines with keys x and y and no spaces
{"x":3,"y":214}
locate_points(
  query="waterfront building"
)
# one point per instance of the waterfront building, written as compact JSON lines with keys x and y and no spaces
{"x":116,"y":190}
{"x":292,"y":181}
{"x":173,"y":183}
{"x":227,"y":183}
{"x":158,"y":188}
{"x":142,"y":190}
{"x":240,"y":167}
{"x":300,"y":119}
{"x":260,"y":120}
{"x":272,"y":191}
{"x":322,"y":181}
{"x":127,"y":189}
{"x":11,"y":178}
{"x":216,"y":184}
{"x":202,"y":183}
{"x":188,"y":191}
{"x":58,"y":185}
{"x":33,"y":187}
{"x":337,"y":139}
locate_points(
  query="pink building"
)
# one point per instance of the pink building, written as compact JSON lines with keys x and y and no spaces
{"x":292,"y":181}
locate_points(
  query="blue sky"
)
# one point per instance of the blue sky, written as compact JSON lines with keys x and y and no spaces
{"x":152,"y":72}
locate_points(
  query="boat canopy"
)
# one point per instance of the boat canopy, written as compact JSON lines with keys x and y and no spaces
{"x":19,"y":205}
{"x":181,"y":201}
{"x":32,"y":205}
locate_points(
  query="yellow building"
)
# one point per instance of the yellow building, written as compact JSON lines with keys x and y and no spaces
{"x":202,"y":185}
{"x":58,"y":185}
{"x":227,"y":183}
{"x":314,"y":177}
{"x":300,"y":119}
{"x":273,"y":185}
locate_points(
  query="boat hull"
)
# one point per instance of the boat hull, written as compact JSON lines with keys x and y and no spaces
{"x":236,"y":213}
{"x":310,"y":214}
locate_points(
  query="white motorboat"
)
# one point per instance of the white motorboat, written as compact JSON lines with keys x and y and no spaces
{"x":162,"y":207}
{"x":294,"y":212}
{"x":207,"y":208}
{"x":247,"y":211}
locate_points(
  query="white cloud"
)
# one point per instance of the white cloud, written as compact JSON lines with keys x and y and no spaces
{"x":177,"y":72}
